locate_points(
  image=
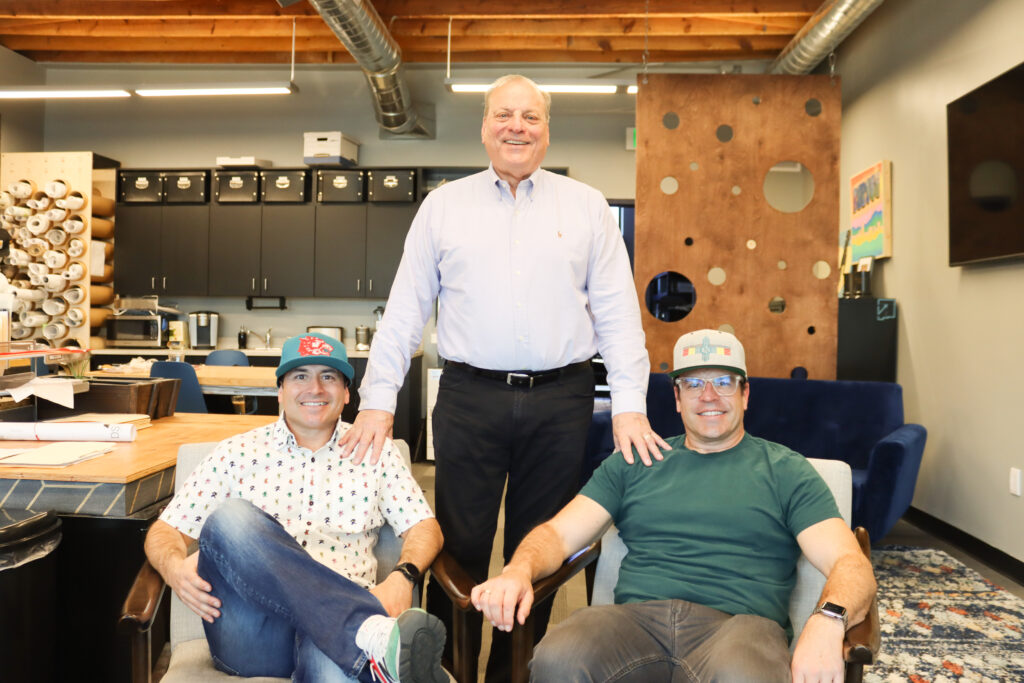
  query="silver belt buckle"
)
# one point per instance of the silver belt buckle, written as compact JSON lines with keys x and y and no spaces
{"x":508,"y":379}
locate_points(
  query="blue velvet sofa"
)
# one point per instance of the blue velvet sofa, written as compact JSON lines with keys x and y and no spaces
{"x":860,"y":423}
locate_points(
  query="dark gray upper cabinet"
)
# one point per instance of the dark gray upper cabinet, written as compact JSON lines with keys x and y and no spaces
{"x":386,"y":228}
{"x":161,"y":249}
{"x":235,"y":250}
{"x":340,"y":254}
{"x":184,"y":249}
{"x":137,"y":249}
{"x":288,"y":245}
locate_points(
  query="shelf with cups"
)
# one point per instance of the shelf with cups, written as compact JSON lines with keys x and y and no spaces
{"x":57,"y":208}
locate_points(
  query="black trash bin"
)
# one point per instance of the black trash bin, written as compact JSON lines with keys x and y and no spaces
{"x":28,"y":587}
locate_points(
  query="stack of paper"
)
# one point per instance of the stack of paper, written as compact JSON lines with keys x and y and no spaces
{"x":140,"y":420}
{"x":54,"y":455}
{"x":75,"y":431}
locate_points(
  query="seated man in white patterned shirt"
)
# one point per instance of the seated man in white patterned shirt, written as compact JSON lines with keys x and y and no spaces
{"x":284,"y":575}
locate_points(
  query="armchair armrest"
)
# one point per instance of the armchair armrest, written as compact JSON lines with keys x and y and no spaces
{"x":137,"y":615}
{"x":862,"y":640}
{"x":891,"y":478}
{"x":458,"y":585}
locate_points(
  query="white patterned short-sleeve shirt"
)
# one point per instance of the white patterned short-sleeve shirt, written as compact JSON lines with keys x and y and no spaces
{"x":334,"y":509}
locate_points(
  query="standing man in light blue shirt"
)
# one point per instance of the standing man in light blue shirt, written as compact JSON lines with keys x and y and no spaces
{"x":533,"y":280}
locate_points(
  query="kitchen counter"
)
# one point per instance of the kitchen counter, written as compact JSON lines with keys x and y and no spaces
{"x":153,"y":351}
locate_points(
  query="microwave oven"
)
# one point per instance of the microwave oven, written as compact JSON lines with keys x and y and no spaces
{"x":135,"y":331}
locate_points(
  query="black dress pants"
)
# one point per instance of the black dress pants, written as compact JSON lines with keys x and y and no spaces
{"x":484,"y":432}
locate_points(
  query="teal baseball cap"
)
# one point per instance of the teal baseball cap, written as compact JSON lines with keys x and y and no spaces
{"x":314,"y":349}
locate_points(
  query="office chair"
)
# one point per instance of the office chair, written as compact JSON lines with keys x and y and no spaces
{"x":227,"y":357}
{"x":190,"y":396}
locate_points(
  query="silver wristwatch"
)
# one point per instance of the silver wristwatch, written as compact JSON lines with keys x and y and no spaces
{"x":831,"y":609}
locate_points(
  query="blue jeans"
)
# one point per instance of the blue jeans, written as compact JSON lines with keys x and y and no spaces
{"x":282,"y":612}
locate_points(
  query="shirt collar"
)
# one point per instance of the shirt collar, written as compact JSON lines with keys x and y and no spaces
{"x":283,"y":438}
{"x":528,"y":184}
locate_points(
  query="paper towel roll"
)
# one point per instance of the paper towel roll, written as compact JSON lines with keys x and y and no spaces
{"x":106,"y":275}
{"x":97,"y":316}
{"x":101,"y":206}
{"x":56,"y":188}
{"x":102,"y":228}
{"x":99,"y":295}
{"x":66,"y":431}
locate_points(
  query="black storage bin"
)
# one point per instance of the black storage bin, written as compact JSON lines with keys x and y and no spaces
{"x":28,"y":593}
{"x":285,"y":186}
{"x":236,"y":187}
{"x":339,"y":186}
{"x":392,"y":186}
{"x":191,"y":187}
{"x":140,"y":187}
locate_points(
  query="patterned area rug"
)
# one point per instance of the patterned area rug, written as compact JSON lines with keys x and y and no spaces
{"x":943,"y":622}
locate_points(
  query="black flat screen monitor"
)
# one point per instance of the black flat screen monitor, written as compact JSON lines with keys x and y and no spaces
{"x":985,"y":131}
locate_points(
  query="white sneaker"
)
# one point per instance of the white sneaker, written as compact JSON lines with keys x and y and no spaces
{"x":404,"y":650}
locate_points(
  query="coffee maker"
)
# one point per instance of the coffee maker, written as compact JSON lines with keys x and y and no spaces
{"x":202,"y":329}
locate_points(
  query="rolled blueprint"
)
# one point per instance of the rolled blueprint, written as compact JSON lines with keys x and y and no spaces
{"x":66,"y":431}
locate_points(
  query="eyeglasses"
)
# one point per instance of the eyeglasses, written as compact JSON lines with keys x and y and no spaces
{"x":726,"y":385}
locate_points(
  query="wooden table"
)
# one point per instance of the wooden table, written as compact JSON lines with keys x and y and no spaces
{"x":123,"y":481}
{"x":220,"y":379}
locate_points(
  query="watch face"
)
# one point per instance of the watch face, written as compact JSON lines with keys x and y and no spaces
{"x":833,"y":608}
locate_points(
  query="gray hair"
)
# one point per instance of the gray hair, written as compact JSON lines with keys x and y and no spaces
{"x":508,"y":78}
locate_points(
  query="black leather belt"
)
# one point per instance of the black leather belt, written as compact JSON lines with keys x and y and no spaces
{"x":520,"y":378}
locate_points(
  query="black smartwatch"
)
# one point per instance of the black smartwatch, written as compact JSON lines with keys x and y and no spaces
{"x":411,"y":572}
{"x":831,"y":609}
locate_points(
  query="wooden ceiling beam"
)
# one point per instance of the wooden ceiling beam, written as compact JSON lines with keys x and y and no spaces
{"x":744,"y":24}
{"x":124,"y":9}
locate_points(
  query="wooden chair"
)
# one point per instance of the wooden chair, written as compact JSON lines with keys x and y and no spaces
{"x":859,"y":648}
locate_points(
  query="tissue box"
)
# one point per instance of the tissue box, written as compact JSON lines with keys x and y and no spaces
{"x":330,"y":148}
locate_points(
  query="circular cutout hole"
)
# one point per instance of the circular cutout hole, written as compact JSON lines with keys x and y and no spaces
{"x":670,"y":296}
{"x":751,"y":244}
{"x":993,"y":185}
{"x":782,"y":264}
{"x":821,"y":269}
{"x":670,"y":120}
{"x":798,"y":373}
{"x":724,"y":133}
{"x":812,"y":107}
{"x":694,"y":165}
{"x":756,"y":100}
{"x":716,"y":276}
{"x":726,"y":327}
{"x":811,"y":330}
{"x":777,"y":304}
{"x":688,"y":241}
{"x":736,"y":190}
{"x":669,"y":185}
{"x":788,"y":186}
{"x":664,"y":366}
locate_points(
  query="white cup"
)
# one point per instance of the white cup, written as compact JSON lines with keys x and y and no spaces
{"x":55,"y":259}
{"x":56,"y":237}
{"x":55,"y":331}
{"x":76,"y":247}
{"x":55,"y":306}
{"x":56,"y":189}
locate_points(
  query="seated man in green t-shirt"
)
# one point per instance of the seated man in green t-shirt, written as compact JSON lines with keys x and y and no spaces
{"x":714,"y":532}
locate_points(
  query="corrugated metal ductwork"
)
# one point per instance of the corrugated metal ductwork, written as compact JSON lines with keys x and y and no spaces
{"x":358,"y":26}
{"x":826,"y":28}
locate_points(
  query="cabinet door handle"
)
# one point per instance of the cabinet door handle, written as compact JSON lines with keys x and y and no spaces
{"x":152,"y":282}
{"x":370,"y":289}
{"x":265,"y":279}
{"x":164,"y":282}
{"x":253,"y":289}
{"x":359,"y":285}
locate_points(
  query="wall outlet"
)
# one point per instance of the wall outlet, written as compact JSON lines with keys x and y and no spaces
{"x":1015,"y":481}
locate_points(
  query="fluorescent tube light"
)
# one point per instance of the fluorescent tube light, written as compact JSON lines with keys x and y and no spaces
{"x":46,"y":92}
{"x":584,"y":87}
{"x":632,"y":89}
{"x":209,"y":90}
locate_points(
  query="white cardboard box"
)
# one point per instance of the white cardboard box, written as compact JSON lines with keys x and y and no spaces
{"x":331,"y":147}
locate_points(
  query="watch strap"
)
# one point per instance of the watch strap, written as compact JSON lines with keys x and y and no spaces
{"x":833,"y":611}
{"x":409,"y":571}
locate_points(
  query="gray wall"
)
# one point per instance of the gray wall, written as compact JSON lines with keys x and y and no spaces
{"x":960,"y":328}
{"x":21,"y":123}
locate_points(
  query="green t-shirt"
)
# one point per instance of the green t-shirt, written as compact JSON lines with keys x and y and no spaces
{"x":718,"y":529}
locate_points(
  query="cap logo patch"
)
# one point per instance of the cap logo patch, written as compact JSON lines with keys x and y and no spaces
{"x":314,"y":346}
{"x":706,"y":349}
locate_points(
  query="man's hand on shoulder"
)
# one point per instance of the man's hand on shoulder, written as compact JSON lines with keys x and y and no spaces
{"x":395,"y":593}
{"x":497,"y":598}
{"x":366,"y":435}
{"x":632,"y":430}
{"x":818,"y":656}
{"x":183,"y":578}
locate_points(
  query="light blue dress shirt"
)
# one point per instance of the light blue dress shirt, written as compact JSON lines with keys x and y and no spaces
{"x":534,"y":281}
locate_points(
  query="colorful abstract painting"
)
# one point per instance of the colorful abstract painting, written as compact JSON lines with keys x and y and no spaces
{"x":871,"y":213}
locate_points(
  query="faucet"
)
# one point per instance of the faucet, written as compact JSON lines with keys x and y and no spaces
{"x":266,"y":339}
